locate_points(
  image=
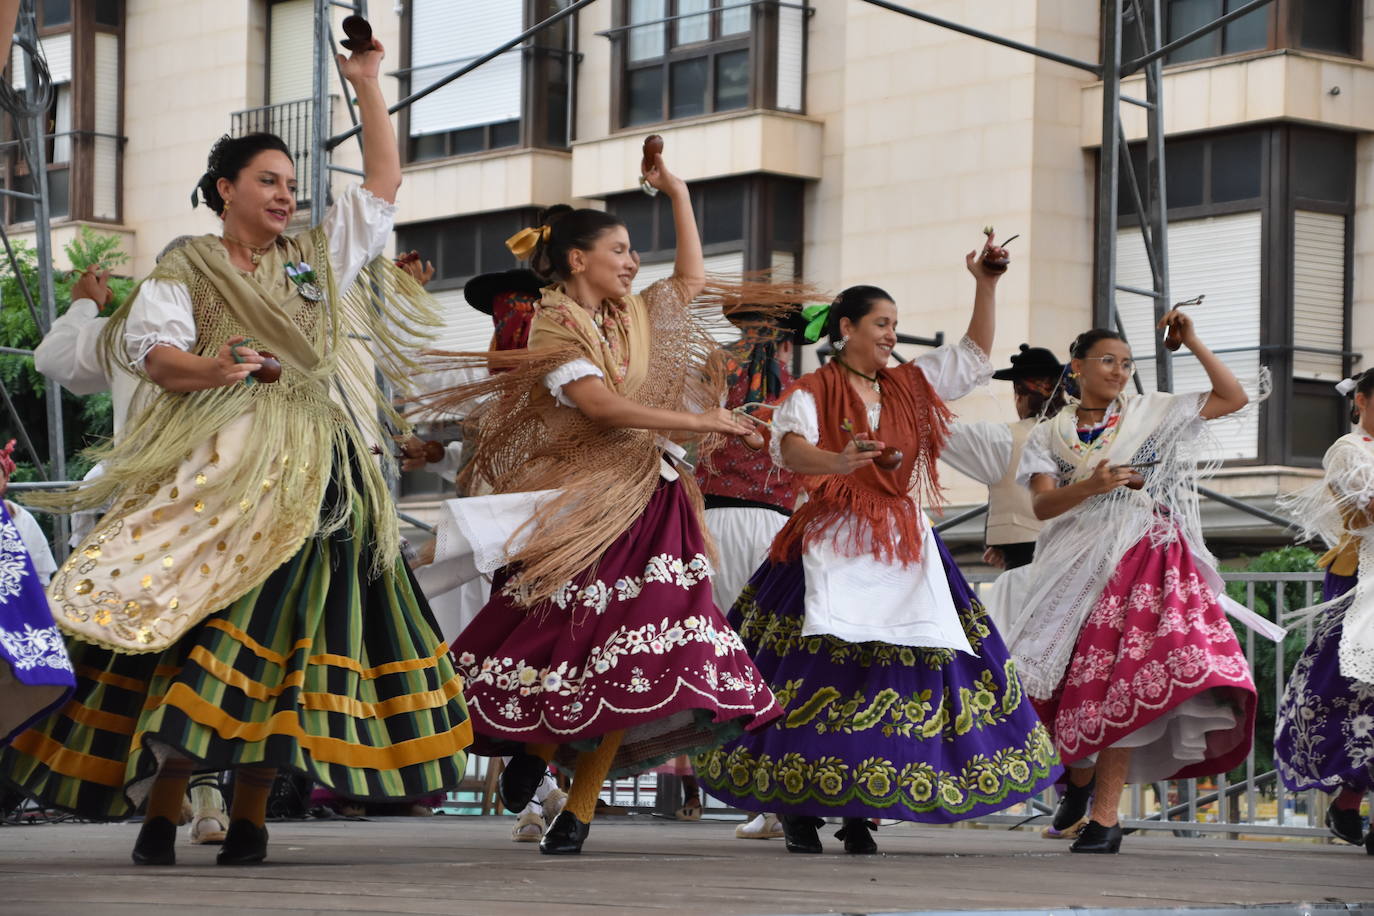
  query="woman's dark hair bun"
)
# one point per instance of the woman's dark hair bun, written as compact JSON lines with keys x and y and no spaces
{"x":1083,"y":344}
{"x":227,"y":158}
{"x":568,"y":229}
{"x":852,"y":303}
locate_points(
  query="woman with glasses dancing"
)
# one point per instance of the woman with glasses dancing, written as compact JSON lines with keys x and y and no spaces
{"x":1124,"y":645}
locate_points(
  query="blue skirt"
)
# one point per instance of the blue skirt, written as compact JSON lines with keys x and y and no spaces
{"x":1324,"y":738}
{"x":878,"y":730}
{"x":35,"y":674}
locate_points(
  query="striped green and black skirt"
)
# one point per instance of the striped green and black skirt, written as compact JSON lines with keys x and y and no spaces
{"x":322,"y":669}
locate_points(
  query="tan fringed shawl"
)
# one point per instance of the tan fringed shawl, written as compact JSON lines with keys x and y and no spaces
{"x":652,"y":348}
{"x":213,"y":490}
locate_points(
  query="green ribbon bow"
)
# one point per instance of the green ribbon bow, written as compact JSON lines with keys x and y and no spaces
{"x":816,"y":317}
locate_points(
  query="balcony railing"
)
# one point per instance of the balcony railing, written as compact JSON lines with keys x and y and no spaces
{"x":293,"y":122}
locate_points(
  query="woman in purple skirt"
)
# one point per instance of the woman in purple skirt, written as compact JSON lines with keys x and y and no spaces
{"x":900,"y":700}
{"x":35,"y":673}
{"x":1325,"y":733}
{"x":600,"y":648}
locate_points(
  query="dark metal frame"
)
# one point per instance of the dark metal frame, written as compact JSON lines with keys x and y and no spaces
{"x":33,"y":145}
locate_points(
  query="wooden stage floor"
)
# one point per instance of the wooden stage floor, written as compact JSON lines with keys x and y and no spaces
{"x":468,"y":865}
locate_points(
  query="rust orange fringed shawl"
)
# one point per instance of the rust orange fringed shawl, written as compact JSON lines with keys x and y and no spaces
{"x":885,"y":504}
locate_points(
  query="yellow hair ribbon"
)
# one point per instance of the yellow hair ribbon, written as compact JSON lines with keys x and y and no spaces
{"x":523,"y":243}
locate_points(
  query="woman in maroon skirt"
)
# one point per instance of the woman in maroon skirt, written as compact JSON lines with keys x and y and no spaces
{"x":600,"y":647}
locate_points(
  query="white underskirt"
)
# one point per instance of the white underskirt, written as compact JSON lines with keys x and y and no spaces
{"x":1174,"y":740}
{"x":743,"y":536}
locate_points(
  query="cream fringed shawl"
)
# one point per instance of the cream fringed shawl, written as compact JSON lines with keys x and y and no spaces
{"x":1336,"y":507}
{"x":1077,"y":552}
{"x":651,"y":348}
{"x":210,"y":491}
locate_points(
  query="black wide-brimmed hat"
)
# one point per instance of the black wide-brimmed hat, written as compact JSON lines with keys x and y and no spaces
{"x":790,"y":321}
{"x":482,"y":290}
{"x":1030,"y":362}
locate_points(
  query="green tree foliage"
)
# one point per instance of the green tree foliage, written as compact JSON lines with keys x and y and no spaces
{"x":87,"y":419}
{"x":1264,"y":661}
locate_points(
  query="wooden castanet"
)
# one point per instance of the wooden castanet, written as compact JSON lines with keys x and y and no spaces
{"x":359,"y":32}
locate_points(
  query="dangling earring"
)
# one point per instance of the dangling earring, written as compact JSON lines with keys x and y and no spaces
{"x":1073,"y":375}
{"x":226,"y":205}
{"x":839,"y":344}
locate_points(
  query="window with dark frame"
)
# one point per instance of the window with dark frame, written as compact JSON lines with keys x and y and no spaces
{"x":1305,"y":225}
{"x":757,"y":215}
{"x":687,"y":58}
{"x":535,"y":79}
{"x":83,"y":149}
{"x":1327,"y":26}
{"x":465,"y":246}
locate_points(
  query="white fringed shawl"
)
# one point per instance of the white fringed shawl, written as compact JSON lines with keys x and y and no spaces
{"x":1328,"y":509}
{"x":1078,"y":552}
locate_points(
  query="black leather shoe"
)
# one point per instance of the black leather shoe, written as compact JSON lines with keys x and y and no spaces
{"x":1073,"y":805}
{"x":857,"y":834}
{"x":1096,"y":838}
{"x":245,"y":843}
{"x":1369,"y":843}
{"x":1345,"y":824}
{"x":799,"y":833}
{"x":156,"y":843}
{"x":520,"y":779}
{"x":564,"y":836}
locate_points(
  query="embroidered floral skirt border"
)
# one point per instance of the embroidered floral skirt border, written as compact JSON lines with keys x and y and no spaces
{"x":1156,"y":668}
{"x":1324,"y":738}
{"x":320,"y":669}
{"x":877,"y":730}
{"x":35,"y":673}
{"x":634,"y":644}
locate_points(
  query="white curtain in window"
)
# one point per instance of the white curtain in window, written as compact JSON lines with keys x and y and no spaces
{"x":791,"y":46}
{"x":1220,"y":257}
{"x":647,"y":42}
{"x":692,"y":28}
{"x":1318,"y":292}
{"x":57,"y":51}
{"x":62,"y":123}
{"x":105,"y":200}
{"x":291,"y":51}
{"x":444,"y":35}
{"x":735,"y":16}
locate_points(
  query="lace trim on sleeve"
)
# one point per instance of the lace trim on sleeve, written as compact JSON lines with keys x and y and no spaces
{"x":566,"y":373}
{"x":798,"y":415}
{"x":982,"y":363}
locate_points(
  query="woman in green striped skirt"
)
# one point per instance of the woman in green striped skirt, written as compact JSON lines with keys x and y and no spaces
{"x":243,"y":605}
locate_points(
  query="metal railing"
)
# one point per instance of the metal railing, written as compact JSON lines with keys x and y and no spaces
{"x":294,"y":123}
{"x":1251,"y":800}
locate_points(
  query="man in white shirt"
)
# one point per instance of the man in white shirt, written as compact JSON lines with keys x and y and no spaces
{"x":70,"y":351}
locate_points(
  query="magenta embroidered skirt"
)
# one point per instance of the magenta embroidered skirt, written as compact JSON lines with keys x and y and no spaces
{"x":635,"y":643}
{"x":1156,"y":668}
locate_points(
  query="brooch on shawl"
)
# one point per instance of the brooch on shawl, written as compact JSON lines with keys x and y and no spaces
{"x":307,"y":284}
